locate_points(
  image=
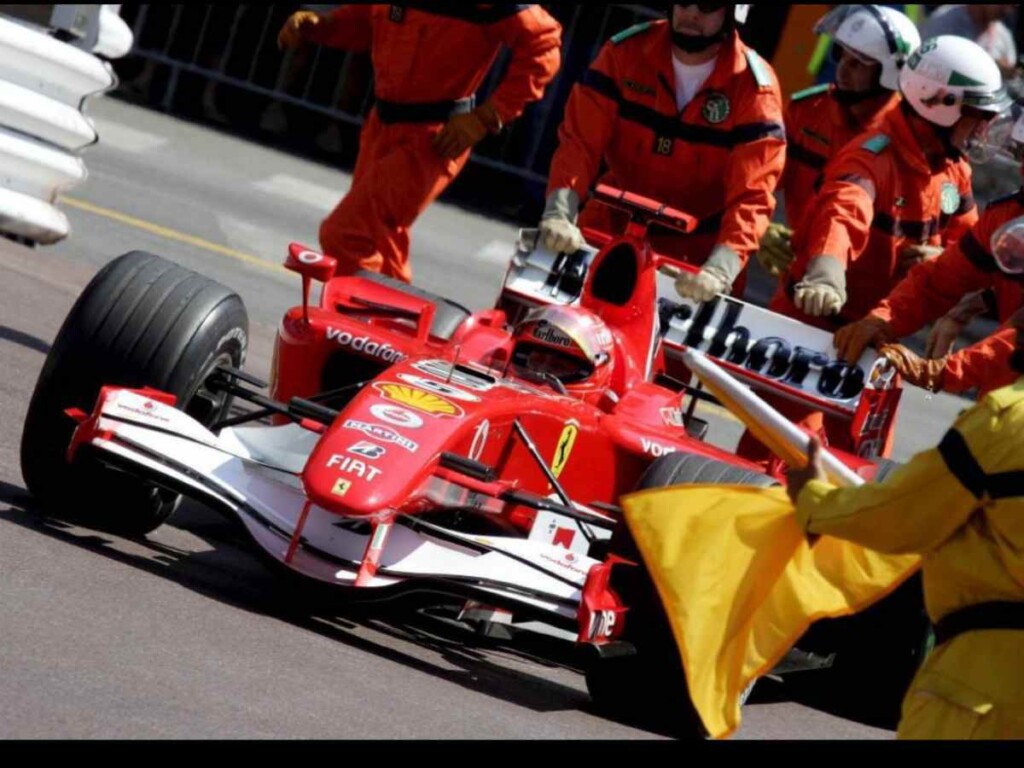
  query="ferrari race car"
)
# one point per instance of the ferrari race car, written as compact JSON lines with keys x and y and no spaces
{"x":406,"y":444}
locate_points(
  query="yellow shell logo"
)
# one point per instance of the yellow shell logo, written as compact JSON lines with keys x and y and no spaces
{"x":418,"y":400}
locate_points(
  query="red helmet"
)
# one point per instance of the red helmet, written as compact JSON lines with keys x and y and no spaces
{"x":571,"y":344}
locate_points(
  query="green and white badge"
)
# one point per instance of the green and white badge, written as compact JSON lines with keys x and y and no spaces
{"x":949,"y":201}
{"x":716,"y":108}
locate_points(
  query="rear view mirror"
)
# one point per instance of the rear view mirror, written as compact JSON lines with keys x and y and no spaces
{"x":310,"y":264}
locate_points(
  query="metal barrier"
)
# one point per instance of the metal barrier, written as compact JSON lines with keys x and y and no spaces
{"x":234,"y":46}
{"x":46,"y":80}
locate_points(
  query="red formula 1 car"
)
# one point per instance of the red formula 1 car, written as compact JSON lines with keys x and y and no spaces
{"x":412,"y":444}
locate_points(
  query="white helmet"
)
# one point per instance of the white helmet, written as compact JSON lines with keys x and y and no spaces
{"x":950,"y":76}
{"x":881,"y":34}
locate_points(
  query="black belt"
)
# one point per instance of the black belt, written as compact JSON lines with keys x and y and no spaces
{"x":995,"y":615}
{"x":424,"y":111}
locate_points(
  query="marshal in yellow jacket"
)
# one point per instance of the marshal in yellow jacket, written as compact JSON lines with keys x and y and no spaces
{"x":961,"y":506}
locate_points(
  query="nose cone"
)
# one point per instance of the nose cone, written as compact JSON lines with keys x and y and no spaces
{"x":356,"y":481}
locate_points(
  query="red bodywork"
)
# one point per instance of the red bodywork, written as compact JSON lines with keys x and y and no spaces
{"x":421,"y":418}
{"x":612,"y":446}
{"x":382,"y":456}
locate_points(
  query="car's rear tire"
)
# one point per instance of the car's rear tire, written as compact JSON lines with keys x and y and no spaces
{"x":649,"y":688}
{"x":141,"y":321}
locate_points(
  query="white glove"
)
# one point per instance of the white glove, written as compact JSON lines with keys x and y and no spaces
{"x":701,"y":286}
{"x":817,"y":300}
{"x":558,"y":230}
{"x":561,"y":236}
{"x":822,"y":291}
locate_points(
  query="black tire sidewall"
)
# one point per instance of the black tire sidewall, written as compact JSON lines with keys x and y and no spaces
{"x":190,"y":322}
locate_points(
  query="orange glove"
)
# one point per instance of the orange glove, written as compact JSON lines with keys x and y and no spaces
{"x":463,"y":132}
{"x":851,"y":340}
{"x":926,"y":374}
{"x":296,"y":30}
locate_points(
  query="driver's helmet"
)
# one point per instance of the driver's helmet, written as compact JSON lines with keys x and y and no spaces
{"x":571,"y":344}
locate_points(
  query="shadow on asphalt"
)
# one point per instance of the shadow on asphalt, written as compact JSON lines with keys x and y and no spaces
{"x":24,"y":340}
{"x":230,"y":573}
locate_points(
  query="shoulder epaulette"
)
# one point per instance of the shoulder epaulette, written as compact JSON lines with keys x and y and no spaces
{"x":806,"y":93}
{"x":876,"y":144}
{"x":636,"y":29}
{"x":758,"y":69}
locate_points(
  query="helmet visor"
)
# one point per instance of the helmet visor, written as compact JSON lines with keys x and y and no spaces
{"x":1008,"y":247}
{"x":830,"y":23}
{"x":1001,"y":137}
{"x":986,"y":102}
{"x":531,"y":360}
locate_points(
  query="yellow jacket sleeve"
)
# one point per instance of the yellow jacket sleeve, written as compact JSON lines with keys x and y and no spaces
{"x":916,"y":508}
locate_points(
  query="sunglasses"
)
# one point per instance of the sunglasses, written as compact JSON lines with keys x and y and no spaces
{"x":704,"y":7}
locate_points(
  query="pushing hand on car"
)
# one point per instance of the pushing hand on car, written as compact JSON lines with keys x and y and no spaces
{"x":915,"y":369}
{"x":851,"y":340}
{"x":560,"y":235}
{"x":701,"y":286}
{"x":822,"y":291}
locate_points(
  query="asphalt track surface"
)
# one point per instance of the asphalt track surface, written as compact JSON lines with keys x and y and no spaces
{"x":183,"y":634}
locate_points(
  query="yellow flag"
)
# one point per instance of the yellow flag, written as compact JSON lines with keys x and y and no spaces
{"x":740,"y":584}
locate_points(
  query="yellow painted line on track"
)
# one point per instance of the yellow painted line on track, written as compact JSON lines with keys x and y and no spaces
{"x":169,"y":234}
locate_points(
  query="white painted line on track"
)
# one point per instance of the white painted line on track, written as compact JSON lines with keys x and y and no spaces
{"x":496,"y":252}
{"x":323,"y":199}
{"x":124,"y":139}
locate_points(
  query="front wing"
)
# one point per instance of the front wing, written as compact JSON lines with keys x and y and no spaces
{"x":254,"y":474}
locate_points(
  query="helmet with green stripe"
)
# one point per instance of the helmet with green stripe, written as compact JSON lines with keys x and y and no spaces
{"x":874,"y":32}
{"x":950,"y":77}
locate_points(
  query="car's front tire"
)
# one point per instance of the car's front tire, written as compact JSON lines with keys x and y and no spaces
{"x":142,"y":321}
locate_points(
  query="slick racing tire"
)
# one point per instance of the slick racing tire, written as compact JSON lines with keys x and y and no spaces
{"x":648,"y":687}
{"x":448,"y":315}
{"x":141,"y":321}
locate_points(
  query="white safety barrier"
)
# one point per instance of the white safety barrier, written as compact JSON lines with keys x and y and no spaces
{"x":45,"y":84}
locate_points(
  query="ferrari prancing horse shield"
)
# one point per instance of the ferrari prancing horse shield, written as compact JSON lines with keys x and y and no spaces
{"x":564,"y":448}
